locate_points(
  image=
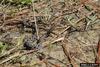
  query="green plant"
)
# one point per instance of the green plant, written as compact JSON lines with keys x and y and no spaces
{"x":2,"y":47}
{"x":26,"y":1}
{"x":17,"y":2}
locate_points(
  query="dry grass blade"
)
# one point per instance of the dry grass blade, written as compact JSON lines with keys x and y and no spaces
{"x":9,"y":58}
{"x":59,"y":39}
{"x":17,"y":54}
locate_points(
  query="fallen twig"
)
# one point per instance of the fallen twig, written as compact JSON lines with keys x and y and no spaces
{"x":18,"y":54}
{"x":98,"y":52}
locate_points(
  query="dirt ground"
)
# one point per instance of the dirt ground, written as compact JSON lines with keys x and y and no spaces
{"x":55,"y":33}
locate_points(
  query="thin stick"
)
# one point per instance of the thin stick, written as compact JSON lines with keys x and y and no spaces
{"x":98,"y":51}
{"x":37,"y":31}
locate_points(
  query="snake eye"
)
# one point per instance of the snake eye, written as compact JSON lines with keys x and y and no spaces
{"x":3,"y":44}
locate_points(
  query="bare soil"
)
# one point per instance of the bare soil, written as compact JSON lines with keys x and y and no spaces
{"x":49,"y":34}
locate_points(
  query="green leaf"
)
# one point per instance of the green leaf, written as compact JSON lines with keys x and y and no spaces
{"x":2,"y":47}
{"x":26,"y":1}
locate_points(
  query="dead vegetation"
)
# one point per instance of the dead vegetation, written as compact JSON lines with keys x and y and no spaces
{"x":50,"y":33}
